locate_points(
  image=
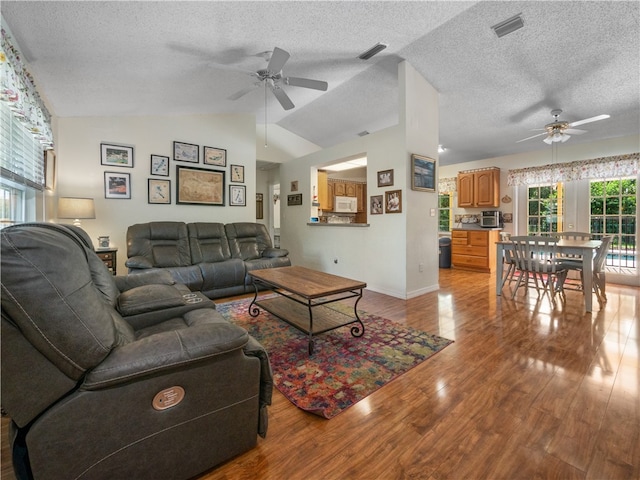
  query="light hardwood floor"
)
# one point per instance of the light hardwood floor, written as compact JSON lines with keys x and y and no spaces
{"x":526,"y":391}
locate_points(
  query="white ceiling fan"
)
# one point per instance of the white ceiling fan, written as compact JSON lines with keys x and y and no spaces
{"x":272,"y":78}
{"x":561,"y":131}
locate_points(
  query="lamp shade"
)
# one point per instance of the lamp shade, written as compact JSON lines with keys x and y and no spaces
{"x":76,"y":208}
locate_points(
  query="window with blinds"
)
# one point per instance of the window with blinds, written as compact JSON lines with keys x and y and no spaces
{"x":21,"y":170}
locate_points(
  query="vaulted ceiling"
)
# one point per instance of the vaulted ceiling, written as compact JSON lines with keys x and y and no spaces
{"x":99,"y":58}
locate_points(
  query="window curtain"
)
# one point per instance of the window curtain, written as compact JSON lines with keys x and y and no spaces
{"x":447,"y":185}
{"x":604,"y":167}
{"x":18,"y":91}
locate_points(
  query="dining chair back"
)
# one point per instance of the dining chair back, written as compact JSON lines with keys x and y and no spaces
{"x":536,"y":260}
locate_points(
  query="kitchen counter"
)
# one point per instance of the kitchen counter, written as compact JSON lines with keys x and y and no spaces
{"x":475,"y":226}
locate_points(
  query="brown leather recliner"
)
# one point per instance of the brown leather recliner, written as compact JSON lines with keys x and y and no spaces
{"x":168,"y":390}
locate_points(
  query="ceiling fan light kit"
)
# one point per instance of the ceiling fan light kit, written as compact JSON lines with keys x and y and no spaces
{"x":558,"y":131}
{"x":377,"y":48}
{"x":510,"y":25}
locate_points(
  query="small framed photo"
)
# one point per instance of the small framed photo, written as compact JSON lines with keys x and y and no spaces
{"x":159,"y":165}
{"x":294,"y":186}
{"x":393,"y":201}
{"x":215,"y":156}
{"x":237,"y":173}
{"x":117,"y":185}
{"x":375,"y":204}
{"x":237,"y":196}
{"x":186,"y":152}
{"x":159,"y":191}
{"x":116,"y":155}
{"x":385,"y":178}
{"x":295,"y":199}
{"x":423,"y":173}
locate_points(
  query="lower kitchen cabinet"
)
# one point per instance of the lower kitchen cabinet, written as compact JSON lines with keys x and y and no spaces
{"x":474,"y":249}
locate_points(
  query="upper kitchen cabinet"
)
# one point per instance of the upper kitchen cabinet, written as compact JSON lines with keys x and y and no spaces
{"x":479,"y":188}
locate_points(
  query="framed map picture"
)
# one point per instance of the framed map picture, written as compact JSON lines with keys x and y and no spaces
{"x":199,"y":186}
{"x":215,"y":156}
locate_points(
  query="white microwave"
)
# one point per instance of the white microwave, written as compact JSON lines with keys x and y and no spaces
{"x":345,"y":204}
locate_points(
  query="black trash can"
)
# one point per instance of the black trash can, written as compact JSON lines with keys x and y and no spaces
{"x":445,"y":252}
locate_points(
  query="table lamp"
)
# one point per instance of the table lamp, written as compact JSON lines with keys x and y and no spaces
{"x":76,"y":208}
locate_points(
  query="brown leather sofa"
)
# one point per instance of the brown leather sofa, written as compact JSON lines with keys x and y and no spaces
{"x":212,"y":258}
{"x":106,"y":378}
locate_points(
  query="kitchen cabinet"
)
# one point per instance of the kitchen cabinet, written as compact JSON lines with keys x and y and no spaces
{"x":340,"y":189}
{"x":479,"y":188}
{"x":361,"y":195}
{"x":474,"y":249}
{"x":324,"y":198}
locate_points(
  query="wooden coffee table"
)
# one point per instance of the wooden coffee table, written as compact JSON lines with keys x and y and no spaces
{"x":303,"y":296}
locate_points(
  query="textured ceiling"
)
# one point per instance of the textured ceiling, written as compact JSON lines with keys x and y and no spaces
{"x":98,"y":58}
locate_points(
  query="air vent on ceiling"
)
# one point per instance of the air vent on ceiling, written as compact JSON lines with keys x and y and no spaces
{"x":510,"y":25}
{"x":363,"y":133}
{"x":377,"y":48}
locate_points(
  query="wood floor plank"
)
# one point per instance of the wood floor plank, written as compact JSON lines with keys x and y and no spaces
{"x":528,"y":390}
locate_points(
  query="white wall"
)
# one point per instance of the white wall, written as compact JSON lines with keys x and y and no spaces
{"x":377,"y":254}
{"x":80,"y":173}
{"x":419,"y":118}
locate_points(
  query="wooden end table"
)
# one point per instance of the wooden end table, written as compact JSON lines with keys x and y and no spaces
{"x":303,"y":296}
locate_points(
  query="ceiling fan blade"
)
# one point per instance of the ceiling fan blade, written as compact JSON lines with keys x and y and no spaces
{"x":574,"y":131}
{"x":278,"y":58}
{"x":282,"y":97}
{"x":243,"y":92}
{"x":529,"y":138}
{"x":589,"y":120}
{"x":307,"y":83}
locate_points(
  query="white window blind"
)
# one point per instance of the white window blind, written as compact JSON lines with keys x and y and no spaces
{"x":21,"y":154}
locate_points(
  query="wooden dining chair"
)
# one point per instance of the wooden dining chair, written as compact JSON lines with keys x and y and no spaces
{"x":599,"y":273}
{"x":536,"y":261}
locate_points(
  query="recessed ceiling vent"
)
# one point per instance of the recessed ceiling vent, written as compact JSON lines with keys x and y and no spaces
{"x":363,"y":133}
{"x":377,"y":48}
{"x":510,"y":25}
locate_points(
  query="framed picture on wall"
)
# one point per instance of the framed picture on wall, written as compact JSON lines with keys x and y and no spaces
{"x":393,"y":201}
{"x":385,"y":178}
{"x":159,"y":191}
{"x":237,"y":173}
{"x":199,"y":186}
{"x":186,"y":152}
{"x":215,"y":156}
{"x":237,"y":196}
{"x":423,"y":173}
{"x":159,"y":165}
{"x":117,"y":185}
{"x":116,"y":155}
{"x":375,"y":203}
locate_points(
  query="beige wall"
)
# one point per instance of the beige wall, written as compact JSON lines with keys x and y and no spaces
{"x":80,"y":173}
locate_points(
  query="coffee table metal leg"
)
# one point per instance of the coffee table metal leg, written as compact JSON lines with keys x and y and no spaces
{"x":254,"y":311}
{"x":311,"y":345}
{"x":357,"y":331}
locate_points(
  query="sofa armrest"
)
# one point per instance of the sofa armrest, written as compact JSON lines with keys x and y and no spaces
{"x":159,"y":277}
{"x":149,"y":298}
{"x":270,"y":252}
{"x":254,"y":349}
{"x":138,"y":262}
{"x":165,"y":351}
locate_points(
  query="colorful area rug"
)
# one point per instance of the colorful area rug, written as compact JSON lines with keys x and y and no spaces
{"x":343,"y":369}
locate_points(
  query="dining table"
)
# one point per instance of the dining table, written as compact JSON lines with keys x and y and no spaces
{"x":569,"y":247}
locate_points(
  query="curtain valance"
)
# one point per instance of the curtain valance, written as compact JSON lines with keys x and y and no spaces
{"x":18,"y":90}
{"x":604,"y":167}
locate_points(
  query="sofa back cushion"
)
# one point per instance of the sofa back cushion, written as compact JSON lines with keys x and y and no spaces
{"x":208,"y":243}
{"x":49,"y":294}
{"x":247,"y":240}
{"x":163,"y":244}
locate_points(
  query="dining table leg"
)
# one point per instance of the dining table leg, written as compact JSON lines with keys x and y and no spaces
{"x":499,"y":268}
{"x":587,"y":281}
